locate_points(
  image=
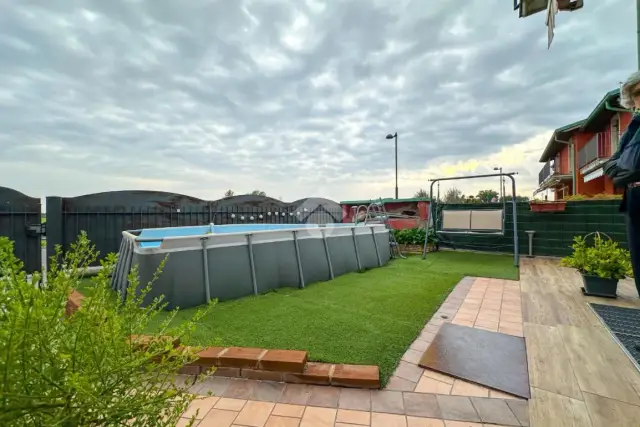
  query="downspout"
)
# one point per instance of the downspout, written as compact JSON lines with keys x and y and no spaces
{"x":572,"y":160}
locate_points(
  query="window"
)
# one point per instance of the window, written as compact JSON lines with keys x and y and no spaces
{"x":615,"y":133}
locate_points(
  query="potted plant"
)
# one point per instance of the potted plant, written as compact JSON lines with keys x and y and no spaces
{"x":545,"y":206}
{"x":601,"y":264}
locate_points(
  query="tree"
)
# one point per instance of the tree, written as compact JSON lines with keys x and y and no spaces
{"x":421,"y":193}
{"x":229,"y":193}
{"x":453,"y":195}
{"x":486,"y":196}
{"x":86,"y":368}
{"x":258,"y":193}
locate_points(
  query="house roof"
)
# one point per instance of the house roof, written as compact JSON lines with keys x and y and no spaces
{"x":601,"y":115}
{"x":563,"y":134}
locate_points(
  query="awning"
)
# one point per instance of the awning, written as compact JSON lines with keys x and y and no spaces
{"x":593,"y":175}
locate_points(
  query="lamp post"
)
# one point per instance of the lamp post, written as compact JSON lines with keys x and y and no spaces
{"x":395,"y":136}
{"x":501,"y":183}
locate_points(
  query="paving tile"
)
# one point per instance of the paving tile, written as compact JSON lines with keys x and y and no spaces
{"x":520,"y":409}
{"x":277,"y":421}
{"x":254,"y":414}
{"x":390,"y":402}
{"x":230,"y":404}
{"x":239,"y":389}
{"x":286,"y":410}
{"x":318,"y":417}
{"x":510,"y":325}
{"x":412,"y":356}
{"x":429,"y":385}
{"x":464,"y":388}
{"x":408,"y":371}
{"x":353,"y":417}
{"x":218,"y":418}
{"x":400,"y":384}
{"x":457,"y":321}
{"x":419,"y":346}
{"x":457,"y":408}
{"x":494,"y":411}
{"x":356,"y":399}
{"x":495,"y":394}
{"x":200,"y":406}
{"x":267,"y":391}
{"x":421,"y":405}
{"x":438,"y":376}
{"x":426,"y":336}
{"x":424,"y":422}
{"x":462,"y":424}
{"x":214,"y":385}
{"x":388,"y":420}
{"x":296,"y":394}
{"x":324,"y":396}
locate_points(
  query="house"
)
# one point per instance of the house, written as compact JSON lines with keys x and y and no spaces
{"x":575,"y":154}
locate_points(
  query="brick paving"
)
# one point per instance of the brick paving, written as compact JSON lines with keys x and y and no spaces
{"x":414,"y":397}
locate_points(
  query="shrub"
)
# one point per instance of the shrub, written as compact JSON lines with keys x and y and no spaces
{"x":84,"y":369}
{"x":603,"y":259}
{"x":414,"y":236}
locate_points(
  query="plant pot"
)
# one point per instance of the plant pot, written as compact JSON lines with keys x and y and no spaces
{"x":548,"y":207}
{"x":599,"y":287}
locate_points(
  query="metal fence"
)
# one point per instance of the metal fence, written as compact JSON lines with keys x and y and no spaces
{"x":104,"y":216}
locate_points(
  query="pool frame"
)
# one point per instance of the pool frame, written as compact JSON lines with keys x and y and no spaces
{"x":206,"y":265}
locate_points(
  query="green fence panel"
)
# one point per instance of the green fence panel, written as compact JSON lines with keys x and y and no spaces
{"x":554,"y":231}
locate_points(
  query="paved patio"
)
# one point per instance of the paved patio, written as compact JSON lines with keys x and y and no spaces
{"x":578,"y":374}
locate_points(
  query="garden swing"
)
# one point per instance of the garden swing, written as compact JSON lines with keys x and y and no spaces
{"x":474,"y":221}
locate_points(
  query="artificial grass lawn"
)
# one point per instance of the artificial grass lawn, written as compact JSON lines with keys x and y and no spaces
{"x":359,"y":318}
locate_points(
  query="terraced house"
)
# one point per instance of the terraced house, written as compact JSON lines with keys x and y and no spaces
{"x":575,"y":154}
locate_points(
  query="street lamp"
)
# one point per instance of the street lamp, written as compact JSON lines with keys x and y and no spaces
{"x":501,"y":183}
{"x":395,"y":136}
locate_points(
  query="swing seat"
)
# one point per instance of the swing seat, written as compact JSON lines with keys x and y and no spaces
{"x":474,"y":221}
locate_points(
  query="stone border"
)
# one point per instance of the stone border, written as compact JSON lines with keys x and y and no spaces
{"x":290,"y":366}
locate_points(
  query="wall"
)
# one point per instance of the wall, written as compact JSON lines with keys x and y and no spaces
{"x":554,"y":232}
{"x":418,"y":209}
{"x":563,"y":161}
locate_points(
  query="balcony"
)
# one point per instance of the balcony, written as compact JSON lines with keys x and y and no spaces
{"x":594,"y":153}
{"x":550,"y":176}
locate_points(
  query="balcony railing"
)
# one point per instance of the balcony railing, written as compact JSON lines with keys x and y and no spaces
{"x":545,"y":172}
{"x":598,"y":147}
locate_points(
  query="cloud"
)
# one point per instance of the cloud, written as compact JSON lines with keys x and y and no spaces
{"x":293,"y":98}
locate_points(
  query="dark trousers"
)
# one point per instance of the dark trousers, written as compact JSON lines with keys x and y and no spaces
{"x":633,"y":231}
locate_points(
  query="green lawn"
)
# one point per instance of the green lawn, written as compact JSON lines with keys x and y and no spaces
{"x":358,"y":318}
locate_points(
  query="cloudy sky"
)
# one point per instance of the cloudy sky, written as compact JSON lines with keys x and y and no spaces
{"x":292,"y":97}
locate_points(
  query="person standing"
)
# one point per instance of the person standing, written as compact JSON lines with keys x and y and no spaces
{"x":623,"y":168}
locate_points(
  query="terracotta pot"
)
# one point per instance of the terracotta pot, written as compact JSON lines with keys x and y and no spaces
{"x":548,"y":207}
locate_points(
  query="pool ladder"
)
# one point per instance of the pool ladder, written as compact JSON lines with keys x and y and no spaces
{"x":375,"y":213}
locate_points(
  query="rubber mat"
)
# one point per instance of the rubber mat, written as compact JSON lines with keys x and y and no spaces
{"x":490,"y":359}
{"x":624,"y":324}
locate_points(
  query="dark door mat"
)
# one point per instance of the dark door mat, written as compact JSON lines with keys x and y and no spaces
{"x":490,"y":359}
{"x":624,"y":324}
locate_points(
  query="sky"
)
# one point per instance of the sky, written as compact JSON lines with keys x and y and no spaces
{"x":293,"y":98}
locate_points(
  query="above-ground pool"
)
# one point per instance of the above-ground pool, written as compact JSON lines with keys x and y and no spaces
{"x":233,"y":261}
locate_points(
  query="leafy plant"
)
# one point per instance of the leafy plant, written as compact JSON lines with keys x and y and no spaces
{"x":604,"y":258}
{"x":414,"y":236}
{"x":86,"y":368}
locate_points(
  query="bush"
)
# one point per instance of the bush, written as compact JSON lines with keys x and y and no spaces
{"x":84,"y":369}
{"x":604,"y":258}
{"x":414,"y":236}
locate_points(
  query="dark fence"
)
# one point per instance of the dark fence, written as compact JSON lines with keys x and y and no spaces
{"x":20,"y":221}
{"x":103,"y":216}
{"x":554,"y":232}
